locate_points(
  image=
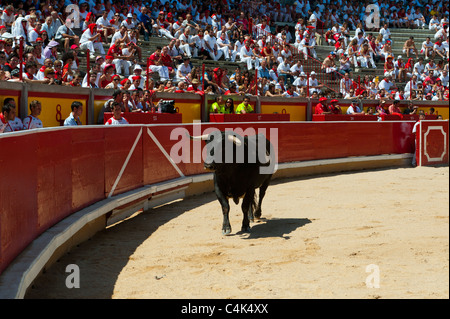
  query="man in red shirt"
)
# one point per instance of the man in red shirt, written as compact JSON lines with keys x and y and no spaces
{"x":166,"y":60}
{"x":321,"y":107}
{"x":122,"y":62}
{"x":156,"y":65}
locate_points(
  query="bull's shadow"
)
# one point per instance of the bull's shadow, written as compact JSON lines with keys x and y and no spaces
{"x":276,"y":227}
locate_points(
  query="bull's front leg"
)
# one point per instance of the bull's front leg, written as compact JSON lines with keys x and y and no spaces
{"x":226,"y":226}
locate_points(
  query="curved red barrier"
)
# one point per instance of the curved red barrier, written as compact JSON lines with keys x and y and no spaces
{"x":53,"y":173}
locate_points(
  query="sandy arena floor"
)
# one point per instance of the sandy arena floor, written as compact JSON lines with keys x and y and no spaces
{"x":318,"y":236}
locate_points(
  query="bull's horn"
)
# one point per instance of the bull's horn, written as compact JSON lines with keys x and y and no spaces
{"x":235,"y":140}
{"x":203,"y":137}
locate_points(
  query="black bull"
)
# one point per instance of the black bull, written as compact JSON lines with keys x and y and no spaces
{"x":240,"y":165}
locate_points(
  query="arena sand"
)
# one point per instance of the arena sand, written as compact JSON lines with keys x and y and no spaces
{"x":318,"y":236}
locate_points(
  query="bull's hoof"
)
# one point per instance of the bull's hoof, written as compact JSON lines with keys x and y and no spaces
{"x":226,"y":231}
{"x":245,"y":229}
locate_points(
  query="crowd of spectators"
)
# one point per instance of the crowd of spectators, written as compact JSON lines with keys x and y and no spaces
{"x":272,"y":56}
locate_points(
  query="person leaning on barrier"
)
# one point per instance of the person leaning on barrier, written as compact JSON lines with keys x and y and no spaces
{"x":354,"y":108}
{"x":217,"y":106}
{"x":74,"y":118}
{"x":7,"y":117}
{"x":322,"y":106}
{"x":244,"y":107}
{"x":16,"y":123}
{"x":107,"y":107}
{"x":32,"y":120}
{"x":334,"y":107}
{"x":117,"y":118}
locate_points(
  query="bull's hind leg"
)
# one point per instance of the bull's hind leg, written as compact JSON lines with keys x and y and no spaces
{"x":247,"y":203}
{"x":262,"y":193}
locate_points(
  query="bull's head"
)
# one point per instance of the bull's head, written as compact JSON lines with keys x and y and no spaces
{"x":218,"y":144}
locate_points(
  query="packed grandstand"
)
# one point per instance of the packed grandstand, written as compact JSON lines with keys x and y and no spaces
{"x":382,"y":50}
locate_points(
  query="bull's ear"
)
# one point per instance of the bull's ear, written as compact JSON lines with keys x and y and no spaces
{"x":235,"y":140}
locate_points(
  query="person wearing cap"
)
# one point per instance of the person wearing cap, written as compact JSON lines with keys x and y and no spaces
{"x":300,"y":82}
{"x":314,"y":85}
{"x":354,"y":108}
{"x":137,"y":71}
{"x":438,"y":89}
{"x":334,"y":107}
{"x":389,"y":66}
{"x":128,"y":22}
{"x":322,"y":107}
{"x":160,"y":27}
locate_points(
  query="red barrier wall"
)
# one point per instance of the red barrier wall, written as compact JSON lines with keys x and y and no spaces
{"x":56,"y":172}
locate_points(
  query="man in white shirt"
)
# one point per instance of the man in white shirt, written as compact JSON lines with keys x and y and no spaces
{"x":183,"y":70}
{"x":32,"y":120}
{"x":411,"y":86}
{"x":444,"y":78}
{"x":386,"y":84}
{"x":307,"y":47}
{"x":90,"y":40}
{"x":386,"y":33}
{"x":439,"y":49}
{"x":354,"y":108}
{"x":211,"y":46}
{"x":427,"y":48}
{"x":104,"y":26}
{"x":434,"y":23}
{"x":225,"y":46}
{"x":248,"y":57}
{"x":188,"y":43}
